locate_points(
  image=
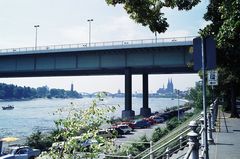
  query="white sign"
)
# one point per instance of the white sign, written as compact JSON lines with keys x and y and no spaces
{"x":212,"y":78}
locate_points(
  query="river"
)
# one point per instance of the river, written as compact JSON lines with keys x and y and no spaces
{"x":37,"y":114}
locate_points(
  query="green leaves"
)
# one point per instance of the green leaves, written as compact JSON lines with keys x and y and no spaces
{"x":78,"y":130}
{"x":149,"y":12}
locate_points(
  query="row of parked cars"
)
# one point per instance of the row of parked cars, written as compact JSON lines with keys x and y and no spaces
{"x":126,"y":127}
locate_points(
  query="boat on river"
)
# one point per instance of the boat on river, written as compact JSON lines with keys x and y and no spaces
{"x":8,"y":107}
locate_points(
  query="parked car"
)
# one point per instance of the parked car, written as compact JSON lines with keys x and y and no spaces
{"x":165,"y":116}
{"x":58,"y":146}
{"x":129,"y":123}
{"x":106,"y":133}
{"x":158,"y":119}
{"x":141,"y":124}
{"x":20,"y":152}
{"x":116,"y":131}
{"x":125,"y":128}
{"x":150,"y":120}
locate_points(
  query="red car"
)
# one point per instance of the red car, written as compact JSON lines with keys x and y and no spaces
{"x":150,"y":120}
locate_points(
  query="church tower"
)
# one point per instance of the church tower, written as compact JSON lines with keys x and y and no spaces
{"x":171,"y":86}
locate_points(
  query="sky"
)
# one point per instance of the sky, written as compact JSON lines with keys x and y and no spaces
{"x":65,"y":22}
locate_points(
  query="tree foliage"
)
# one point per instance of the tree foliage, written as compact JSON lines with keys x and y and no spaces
{"x":17,"y":92}
{"x":196,"y":97}
{"x":39,"y":140}
{"x":81,"y":126}
{"x":224,"y":16}
{"x":149,"y":12}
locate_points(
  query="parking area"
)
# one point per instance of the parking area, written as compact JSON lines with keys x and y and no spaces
{"x":137,"y":133}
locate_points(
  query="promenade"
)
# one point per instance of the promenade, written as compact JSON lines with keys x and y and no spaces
{"x":226,"y":138}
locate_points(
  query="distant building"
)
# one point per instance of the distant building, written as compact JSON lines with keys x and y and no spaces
{"x":168,"y":90}
{"x":72,"y":87}
{"x":119,"y":91}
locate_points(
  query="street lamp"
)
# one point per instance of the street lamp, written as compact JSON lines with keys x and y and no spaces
{"x":156,"y":36}
{"x":36,"y":27}
{"x":178,"y":105}
{"x":89,"y":36}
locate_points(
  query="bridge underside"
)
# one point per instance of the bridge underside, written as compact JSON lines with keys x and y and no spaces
{"x":119,"y":71}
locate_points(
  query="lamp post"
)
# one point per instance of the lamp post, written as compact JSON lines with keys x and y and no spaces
{"x":178,"y":105}
{"x":155,"y":36}
{"x":36,"y":27}
{"x":89,"y":36}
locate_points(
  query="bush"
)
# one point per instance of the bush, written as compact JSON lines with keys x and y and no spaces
{"x":139,"y":147}
{"x":158,"y":134}
{"x":41,"y":141}
{"x":172,"y":123}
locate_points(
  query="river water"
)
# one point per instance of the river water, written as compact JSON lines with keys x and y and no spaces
{"x":28,"y":116}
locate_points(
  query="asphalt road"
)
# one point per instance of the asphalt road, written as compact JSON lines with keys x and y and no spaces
{"x":137,"y":133}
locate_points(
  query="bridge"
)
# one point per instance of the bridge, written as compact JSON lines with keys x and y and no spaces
{"x":145,"y":56}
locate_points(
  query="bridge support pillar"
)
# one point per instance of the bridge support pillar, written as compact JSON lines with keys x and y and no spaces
{"x":145,"y":110}
{"x":1,"y":144}
{"x":128,"y":112}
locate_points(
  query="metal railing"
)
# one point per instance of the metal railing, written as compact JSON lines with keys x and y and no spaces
{"x":123,"y":43}
{"x":195,"y":137}
{"x":160,"y":146}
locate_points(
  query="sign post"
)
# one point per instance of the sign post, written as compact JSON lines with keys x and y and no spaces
{"x":204,"y":58}
{"x":212,"y":78}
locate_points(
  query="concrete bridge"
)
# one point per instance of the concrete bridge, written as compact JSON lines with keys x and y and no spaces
{"x":148,"y":56}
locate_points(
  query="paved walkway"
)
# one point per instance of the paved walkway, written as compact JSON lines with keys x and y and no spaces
{"x":226,"y":139}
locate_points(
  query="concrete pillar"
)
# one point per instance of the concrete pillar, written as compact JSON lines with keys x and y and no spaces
{"x":145,"y":110}
{"x":193,"y":140}
{"x":210,"y":138}
{"x":128,"y":112}
{"x":180,"y":142}
{"x":130,"y":156}
{"x":202,"y":134}
{"x":151,"y":150}
{"x":167,"y":153}
{"x":212,"y":118}
{"x":1,"y":143}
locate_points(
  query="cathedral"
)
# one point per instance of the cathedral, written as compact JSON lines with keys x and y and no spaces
{"x":168,"y":90}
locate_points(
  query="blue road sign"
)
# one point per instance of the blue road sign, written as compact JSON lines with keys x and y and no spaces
{"x":210,"y":53}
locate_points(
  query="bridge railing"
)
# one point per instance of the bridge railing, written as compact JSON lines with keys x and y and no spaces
{"x":122,"y":43}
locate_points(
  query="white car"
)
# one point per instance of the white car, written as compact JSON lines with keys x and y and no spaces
{"x":125,"y":128}
{"x":21,"y":152}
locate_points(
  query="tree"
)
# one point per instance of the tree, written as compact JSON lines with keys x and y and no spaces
{"x":80,"y":126}
{"x":149,"y":12}
{"x":38,"y":140}
{"x":196,"y":97}
{"x":225,"y":28}
{"x":42,"y":91}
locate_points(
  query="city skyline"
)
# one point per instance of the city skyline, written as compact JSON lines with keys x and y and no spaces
{"x":104,"y":82}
